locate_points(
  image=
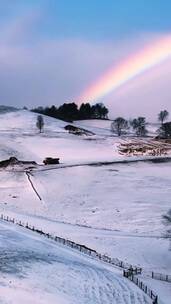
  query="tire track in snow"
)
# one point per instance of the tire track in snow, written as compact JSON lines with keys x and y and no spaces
{"x":82,"y":279}
{"x":107,"y":288}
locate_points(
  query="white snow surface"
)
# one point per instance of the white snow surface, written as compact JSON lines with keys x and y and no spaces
{"x":117,"y":209}
{"x":35,"y":270}
{"x":20,"y":137}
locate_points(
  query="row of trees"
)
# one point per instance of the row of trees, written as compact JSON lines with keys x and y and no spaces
{"x":70,"y":111}
{"x":121,"y":126}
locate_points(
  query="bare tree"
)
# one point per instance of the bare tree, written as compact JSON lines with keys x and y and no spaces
{"x":165,"y":130}
{"x":40,"y":123}
{"x":119,"y":126}
{"x":139,"y":125}
{"x":162,"y":116}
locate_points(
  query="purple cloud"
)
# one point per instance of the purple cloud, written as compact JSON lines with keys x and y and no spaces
{"x":39,"y":71}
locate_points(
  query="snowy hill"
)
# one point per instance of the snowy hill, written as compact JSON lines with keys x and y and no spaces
{"x":6,"y":109}
{"x":65,"y":270}
{"x":103,"y":127}
{"x":25,"y":121}
{"x":98,"y":126}
{"x":20,"y":138}
{"x":117,"y":209}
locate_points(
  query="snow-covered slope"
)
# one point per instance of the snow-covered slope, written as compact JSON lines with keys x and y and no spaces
{"x":23,"y":121}
{"x":116,"y":209}
{"x":102,"y":205}
{"x":103,"y":127}
{"x":37,"y":271}
{"x":19,"y":137}
{"x":97,"y":126}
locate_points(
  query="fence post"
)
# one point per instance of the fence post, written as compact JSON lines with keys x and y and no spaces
{"x":151,"y":294}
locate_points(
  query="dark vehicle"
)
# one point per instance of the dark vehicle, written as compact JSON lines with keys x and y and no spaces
{"x":51,"y":161}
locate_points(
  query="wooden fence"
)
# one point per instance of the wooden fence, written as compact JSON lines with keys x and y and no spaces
{"x":129,"y":272}
{"x":82,"y":248}
{"x":133,"y":278}
{"x":161,"y":276}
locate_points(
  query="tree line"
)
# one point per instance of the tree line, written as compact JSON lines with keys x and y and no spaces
{"x":120,"y":126}
{"x":70,"y":111}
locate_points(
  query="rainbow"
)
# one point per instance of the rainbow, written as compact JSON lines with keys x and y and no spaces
{"x":131,"y":67}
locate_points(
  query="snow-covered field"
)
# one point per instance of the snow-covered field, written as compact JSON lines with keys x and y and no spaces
{"x":20,"y":137}
{"x":117,"y":209}
{"x":35,"y":270}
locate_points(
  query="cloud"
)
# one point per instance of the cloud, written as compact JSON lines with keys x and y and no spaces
{"x":145,"y":95}
{"x":50,"y":71}
{"x":37,"y":70}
